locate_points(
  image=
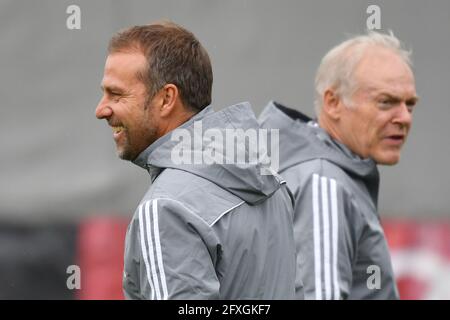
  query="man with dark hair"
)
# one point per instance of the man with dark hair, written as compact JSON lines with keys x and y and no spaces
{"x":365,"y":95}
{"x":204,"y":230}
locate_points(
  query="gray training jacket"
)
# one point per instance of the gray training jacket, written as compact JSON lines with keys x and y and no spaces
{"x":341,"y":247}
{"x":218,"y":231}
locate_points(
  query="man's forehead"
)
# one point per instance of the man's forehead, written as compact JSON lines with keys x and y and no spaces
{"x":396,"y":87}
{"x":122,"y":68}
{"x":124,"y":63}
{"x":384,"y":64}
{"x":385,"y":71}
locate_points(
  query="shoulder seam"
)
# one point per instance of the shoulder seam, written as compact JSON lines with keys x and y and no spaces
{"x":184,"y":206}
{"x":225,"y":212}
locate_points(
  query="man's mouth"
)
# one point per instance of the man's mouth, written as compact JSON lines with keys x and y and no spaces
{"x":396,"y":139}
{"x":117,"y":129}
{"x":117,"y":132}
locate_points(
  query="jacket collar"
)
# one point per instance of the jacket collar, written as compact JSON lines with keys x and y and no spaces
{"x":142,"y":160}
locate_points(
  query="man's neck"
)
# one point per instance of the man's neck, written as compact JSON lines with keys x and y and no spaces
{"x":175,"y":122}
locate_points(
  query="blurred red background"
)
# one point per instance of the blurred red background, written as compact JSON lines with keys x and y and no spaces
{"x":420,"y":256}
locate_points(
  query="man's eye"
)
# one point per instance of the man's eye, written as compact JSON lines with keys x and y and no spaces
{"x":410,"y":107}
{"x":385,"y":103}
{"x":115,"y":96}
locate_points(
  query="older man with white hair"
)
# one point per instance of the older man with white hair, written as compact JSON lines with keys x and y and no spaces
{"x":365,"y":95}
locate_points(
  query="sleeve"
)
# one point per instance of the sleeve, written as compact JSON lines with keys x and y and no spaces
{"x":325,"y":230}
{"x":178,"y":250}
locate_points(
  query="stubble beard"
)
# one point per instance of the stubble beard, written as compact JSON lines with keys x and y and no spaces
{"x":129,"y":151}
{"x":124,"y":151}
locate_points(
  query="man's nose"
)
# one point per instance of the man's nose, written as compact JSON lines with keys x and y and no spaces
{"x":404,"y":116}
{"x":103,"y":111}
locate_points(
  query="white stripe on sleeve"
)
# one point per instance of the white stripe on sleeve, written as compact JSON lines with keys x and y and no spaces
{"x":158,"y":249}
{"x":326,"y":238}
{"x":326,"y":228}
{"x":151,"y":251}
{"x":317,"y":251}
{"x":334,"y":224}
{"x":144,"y":251}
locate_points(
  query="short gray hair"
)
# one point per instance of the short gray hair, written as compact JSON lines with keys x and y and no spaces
{"x":338,"y":65}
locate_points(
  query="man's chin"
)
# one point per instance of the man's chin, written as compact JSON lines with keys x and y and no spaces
{"x":388,"y":160}
{"x":125,"y":154}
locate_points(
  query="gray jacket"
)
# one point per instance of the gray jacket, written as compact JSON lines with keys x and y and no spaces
{"x":341,"y":247}
{"x":218,"y":231}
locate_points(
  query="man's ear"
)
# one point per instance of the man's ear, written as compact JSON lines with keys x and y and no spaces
{"x":332,"y":104}
{"x":169,"y":95}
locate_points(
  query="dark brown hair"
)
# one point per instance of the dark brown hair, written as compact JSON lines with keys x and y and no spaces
{"x":174,"y":55}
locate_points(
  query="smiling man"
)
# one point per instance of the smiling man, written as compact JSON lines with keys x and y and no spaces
{"x":203,"y":230}
{"x":365,"y":95}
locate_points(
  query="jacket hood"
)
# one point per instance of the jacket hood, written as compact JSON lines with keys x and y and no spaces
{"x":301,"y":139}
{"x":245,"y":180}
